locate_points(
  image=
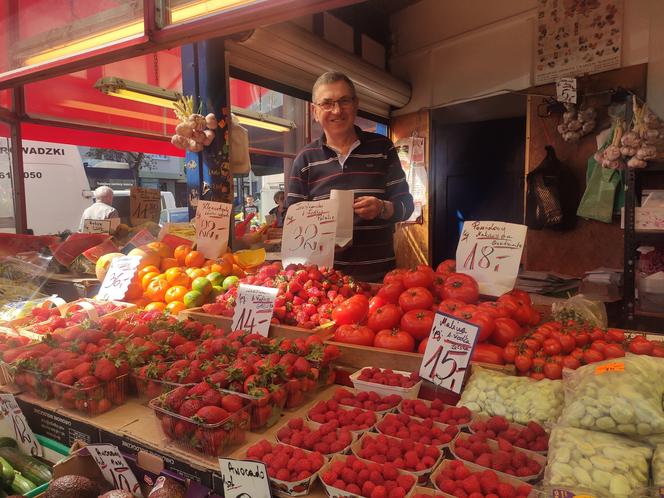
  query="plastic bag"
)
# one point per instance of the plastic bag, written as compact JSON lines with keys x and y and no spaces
{"x":518,"y":399}
{"x":603,"y":465}
{"x":581,"y":308}
{"x":658,"y":466}
{"x":620,"y":395}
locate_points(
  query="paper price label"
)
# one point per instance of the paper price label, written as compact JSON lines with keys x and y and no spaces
{"x":119,"y":276}
{"x":212,"y":228}
{"x":610,"y":367}
{"x":566,"y":90}
{"x":16,"y":426}
{"x":490,"y":252}
{"x":309,"y":233}
{"x":97,"y":226}
{"x":253,"y":309}
{"x":449,"y":349}
{"x":114,"y":468}
{"x":244,"y":478}
{"x":144,"y":205}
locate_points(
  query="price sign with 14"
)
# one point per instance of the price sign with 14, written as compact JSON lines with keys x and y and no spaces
{"x":254,"y":308}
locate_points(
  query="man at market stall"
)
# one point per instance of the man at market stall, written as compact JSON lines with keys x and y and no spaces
{"x":102,"y":209}
{"x":347,"y":158}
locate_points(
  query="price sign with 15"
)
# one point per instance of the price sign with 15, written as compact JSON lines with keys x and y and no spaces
{"x":254,"y":308}
{"x":114,"y":468}
{"x":449,"y":349}
{"x":16,"y":426}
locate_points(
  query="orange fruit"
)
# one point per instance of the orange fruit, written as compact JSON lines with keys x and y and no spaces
{"x":175,"y":293}
{"x":155,"y":306}
{"x":156,"y":290}
{"x":177,"y":276}
{"x":194,"y":259}
{"x":196,"y":272}
{"x":167,"y":263}
{"x":174,"y":307}
{"x":164,"y":250}
{"x":147,"y":269}
{"x":145,"y":281}
{"x":135,"y":290}
{"x":238,"y":272}
{"x":180,"y":253}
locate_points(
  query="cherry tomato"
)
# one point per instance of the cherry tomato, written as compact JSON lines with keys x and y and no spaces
{"x":613,"y":351}
{"x":615,"y":335}
{"x":416,"y":298}
{"x":596,"y":334}
{"x":395,"y":339}
{"x":567,"y":342}
{"x":582,"y":339}
{"x":352,"y":310}
{"x":657,"y":351}
{"x":510,"y":352}
{"x":506,"y":330}
{"x":551,"y":347}
{"x":488,"y":353}
{"x":385,"y":317}
{"x":571,"y":362}
{"x":640,"y":345}
{"x":598,"y":345}
{"x":523,"y":363}
{"x":418,"y":323}
{"x":355,"y":334}
{"x":391,"y":291}
{"x":418,"y":278}
{"x":537,"y":375}
{"x":462,"y":287}
{"x":592,"y":356}
{"x":532,"y":344}
{"x":552,"y":370}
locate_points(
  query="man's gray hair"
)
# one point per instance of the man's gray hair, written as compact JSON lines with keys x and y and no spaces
{"x":104,"y":193}
{"x":332,"y":77}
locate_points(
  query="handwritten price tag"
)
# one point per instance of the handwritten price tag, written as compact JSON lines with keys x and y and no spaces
{"x":254,"y":308}
{"x":212,"y":227}
{"x":144,"y":205}
{"x":490,"y":252}
{"x":119,"y":276}
{"x":566,"y":90}
{"x":244,"y":478}
{"x":309,"y":233}
{"x":97,"y":226}
{"x":14,"y":425}
{"x":114,"y":468}
{"x":450,"y":346}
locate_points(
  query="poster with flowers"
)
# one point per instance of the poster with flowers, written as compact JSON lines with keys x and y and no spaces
{"x":577,"y":37}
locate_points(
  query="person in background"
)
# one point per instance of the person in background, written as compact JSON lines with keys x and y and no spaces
{"x":279,"y":210}
{"x":102,"y":209}
{"x":347,"y":158}
{"x":249,"y":206}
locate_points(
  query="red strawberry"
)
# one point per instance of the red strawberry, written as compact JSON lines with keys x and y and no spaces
{"x":211,"y":415}
{"x":105,"y":370}
{"x":65,"y":377}
{"x":189,"y":407}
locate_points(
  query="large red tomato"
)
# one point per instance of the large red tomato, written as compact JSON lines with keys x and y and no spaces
{"x":488,"y":353}
{"x":446,"y":267}
{"x":449,"y":306}
{"x":462,"y":287}
{"x":422,"y":347}
{"x":395,"y":339}
{"x":352,"y":310}
{"x":385,"y":317}
{"x":494,"y":309}
{"x":438,"y":285}
{"x":416,"y":298}
{"x":506,"y":330}
{"x":418,"y":278}
{"x":482,"y":319}
{"x":418,"y":323}
{"x":391,"y":291}
{"x":355,"y":334}
{"x":376,"y":302}
{"x":395,"y":275}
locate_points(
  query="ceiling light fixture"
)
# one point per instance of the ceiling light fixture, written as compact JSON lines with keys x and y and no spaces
{"x":264,"y":121}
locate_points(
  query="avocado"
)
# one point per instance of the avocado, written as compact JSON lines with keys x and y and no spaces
{"x":72,"y":487}
{"x":117,"y":494}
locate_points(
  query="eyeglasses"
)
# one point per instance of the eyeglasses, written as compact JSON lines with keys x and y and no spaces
{"x":328,"y":105}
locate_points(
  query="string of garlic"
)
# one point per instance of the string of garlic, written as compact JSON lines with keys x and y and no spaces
{"x":194,"y":131}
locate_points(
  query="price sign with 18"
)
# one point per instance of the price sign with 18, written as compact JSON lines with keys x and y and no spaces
{"x":254,"y":308}
{"x":16,"y":426}
{"x":114,"y":468}
{"x":449,"y":349}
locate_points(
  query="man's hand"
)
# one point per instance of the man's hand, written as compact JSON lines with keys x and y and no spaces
{"x":369,"y":208}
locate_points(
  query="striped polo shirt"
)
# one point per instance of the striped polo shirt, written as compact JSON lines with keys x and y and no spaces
{"x":372,"y":168}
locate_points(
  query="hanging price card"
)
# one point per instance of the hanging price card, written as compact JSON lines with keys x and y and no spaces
{"x":144,"y":205}
{"x":117,"y":280}
{"x":309,"y":233}
{"x":244,"y":479}
{"x":97,"y":226}
{"x":490,"y":252}
{"x":212,"y":222}
{"x":566,"y":90}
{"x":114,"y":468}
{"x":450,"y":346}
{"x":16,"y":426}
{"x":254,"y":308}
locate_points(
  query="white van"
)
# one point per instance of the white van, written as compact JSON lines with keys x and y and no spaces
{"x":57,"y":188}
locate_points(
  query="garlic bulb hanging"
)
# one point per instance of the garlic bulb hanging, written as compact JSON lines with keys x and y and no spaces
{"x":194,"y":131}
{"x":576,"y":123}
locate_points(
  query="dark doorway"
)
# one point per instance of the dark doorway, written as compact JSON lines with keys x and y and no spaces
{"x":477,"y":173}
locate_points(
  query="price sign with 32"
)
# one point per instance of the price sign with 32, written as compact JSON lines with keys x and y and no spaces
{"x":449,"y":349}
{"x":309,"y":233}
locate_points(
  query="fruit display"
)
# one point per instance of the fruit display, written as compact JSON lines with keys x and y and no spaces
{"x":421,"y":431}
{"x":353,"y":419}
{"x":367,"y":400}
{"x":457,"y":478}
{"x":326,"y":438}
{"x":499,"y":455}
{"x":348,"y":475}
{"x":600,"y":464}
{"x":617,"y":396}
{"x":437,"y":411}
{"x":531,"y":437}
{"x":291,"y":470}
{"x":307,"y":296}
{"x":518,"y":399}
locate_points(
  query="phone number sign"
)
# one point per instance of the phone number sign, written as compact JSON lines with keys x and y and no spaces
{"x":449,"y":349}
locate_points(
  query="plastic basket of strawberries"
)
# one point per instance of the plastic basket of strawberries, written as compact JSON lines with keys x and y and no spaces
{"x":149,"y":382}
{"x":202,"y":419}
{"x":292,"y":471}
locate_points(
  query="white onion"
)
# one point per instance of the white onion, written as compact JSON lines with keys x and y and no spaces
{"x":211,"y":121}
{"x":184,"y":129}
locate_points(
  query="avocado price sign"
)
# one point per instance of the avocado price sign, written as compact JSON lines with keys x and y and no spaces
{"x":490,"y":252}
{"x":244,"y":478}
{"x":449,"y":349}
{"x":212,"y":227}
{"x":15,"y":425}
{"x":253,"y":309}
{"x":114,"y":468}
{"x":144,"y":205}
